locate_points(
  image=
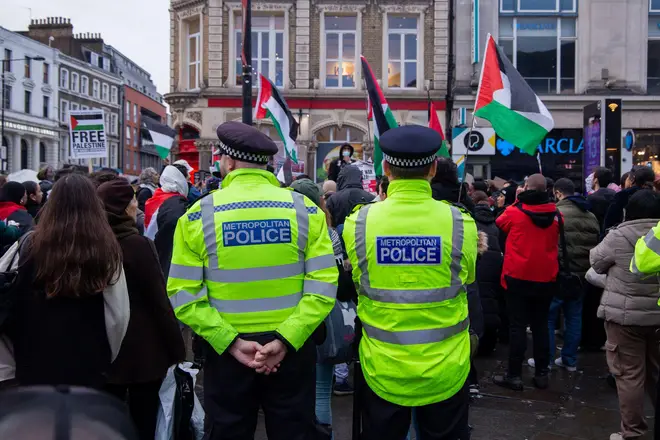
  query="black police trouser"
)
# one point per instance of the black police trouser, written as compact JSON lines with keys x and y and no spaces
{"x":446,"y":420}
{"x":233,"y":394}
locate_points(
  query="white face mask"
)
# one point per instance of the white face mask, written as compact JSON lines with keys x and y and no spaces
{"x":346,"y":153}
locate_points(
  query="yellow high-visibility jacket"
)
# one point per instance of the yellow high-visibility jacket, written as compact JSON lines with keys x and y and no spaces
{"x":252,"y":258}
{"x":412,"y":257}
{"x":647,"y":253}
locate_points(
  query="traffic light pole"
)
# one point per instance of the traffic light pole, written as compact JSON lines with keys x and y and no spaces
{"x":247,"y":62}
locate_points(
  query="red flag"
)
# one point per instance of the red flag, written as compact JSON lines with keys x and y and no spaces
{"x":434,"y":123}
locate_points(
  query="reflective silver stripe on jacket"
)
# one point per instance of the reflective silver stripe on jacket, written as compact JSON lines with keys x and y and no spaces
{"x":319,"y":263}
{"x":268,"y":273}
{"x":411,"y":337}
{"x":183,"y":297}
{"x":411,"y":296}
{"x":257,"y":304}
{"x":320,"y":288}
{"x":652,"y":242}
{"x":191,"y":273}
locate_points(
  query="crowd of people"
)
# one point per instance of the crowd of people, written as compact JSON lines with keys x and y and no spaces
{"x":95,"y":252}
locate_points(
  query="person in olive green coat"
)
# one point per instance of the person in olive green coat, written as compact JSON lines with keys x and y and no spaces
{"x":582,"y":231}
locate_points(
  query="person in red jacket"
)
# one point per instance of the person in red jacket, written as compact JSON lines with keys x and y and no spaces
{"x":529,"y":278}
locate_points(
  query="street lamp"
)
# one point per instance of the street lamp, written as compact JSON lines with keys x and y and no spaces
{"x":2,"y":117}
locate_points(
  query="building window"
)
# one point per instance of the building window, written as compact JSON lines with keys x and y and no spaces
{"x":402,"y":48}
{"x":106,"y":64}
{"x":340,"y":50}
{"x":113,"y":155}
{"x":654,"y":6}
{"x":28,"y":101}
{"x":64,"y":111}
{"x":194,"y":55}
{"x":268,"y":49}
{"x":75,"y":82}
{"x":113,"y":124}
{"x":6,"y":62}
{"x":135,"y":160}
{"x":24,"y":154}
{"x":42,"y":152}
{"x":106,"y":92}
{"x":46,"y":73}
{"x":96,"y":89}
{"x":128,"y":110}
{"x":7,"y":97}
{"x":28,"y":67}
{"x":540,"y":6}
{"x":75,"y":106}
{"x":46,"y":107}
{"x":128,"y":135}
{"x":114,"y":95}
{"x":135,"y":138}
{"x":653,"y":48}
{"x":64,"y":79}
{"x":135,"y":113}
{"x":84,"y":86}
{"x":543,"y":49}
{"x":84,"y":107}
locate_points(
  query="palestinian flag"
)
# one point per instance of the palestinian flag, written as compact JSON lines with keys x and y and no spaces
{"x":87,"y":121}
{"x":510,"y":105}
{"x":378,"y":112}
{"x":434,"y":123}
{"x":271,"y":104}
{"x":159,"y":135}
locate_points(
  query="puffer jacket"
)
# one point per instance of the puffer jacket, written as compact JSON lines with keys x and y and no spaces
{"x":489,"y":266}
{"x":582,"y":232}
{"x":629,"y":299}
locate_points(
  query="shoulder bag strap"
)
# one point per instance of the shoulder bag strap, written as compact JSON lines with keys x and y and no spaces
{"x":562,"y":241}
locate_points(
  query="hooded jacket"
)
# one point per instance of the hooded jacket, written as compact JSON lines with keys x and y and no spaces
{"x":617,"y":209}
{"x":532,"y":239}
{"x":582,"y":232}
{"x":349,"y":194}
{"x":162,"y":212}
{"x":628,"y":299}
{"x":600,"y":202}
{"x":489,"y":266}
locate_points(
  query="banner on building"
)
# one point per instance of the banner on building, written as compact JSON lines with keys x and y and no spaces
{"x":87,"y":134}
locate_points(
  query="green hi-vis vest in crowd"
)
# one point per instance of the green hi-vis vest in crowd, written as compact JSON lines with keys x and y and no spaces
{"x":412,"y":257}
{"x":647,"y":254}
{"x":252,"y":258}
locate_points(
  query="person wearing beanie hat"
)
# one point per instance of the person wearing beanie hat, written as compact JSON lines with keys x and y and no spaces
{"x":12,"y":206}
{"x":307,"y":188}
{"x":153,"y":341}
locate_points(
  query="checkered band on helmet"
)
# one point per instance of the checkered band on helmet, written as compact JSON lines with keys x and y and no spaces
{"x":243,"y":156}
{"x":408,"y":163}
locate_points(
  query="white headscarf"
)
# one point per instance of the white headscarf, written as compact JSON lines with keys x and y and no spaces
{"x":172,"y":181}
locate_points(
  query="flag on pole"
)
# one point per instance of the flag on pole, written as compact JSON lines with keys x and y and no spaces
{"x":271,"y":104}
{"x":460,"y":166}
{"x":159,"y":135}
{"x":434,"y":123}
{"x":379,"y":112}
{"x":509,"y":103}
{"x":246,"y":7}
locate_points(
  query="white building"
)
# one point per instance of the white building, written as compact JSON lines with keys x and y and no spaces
{"x":30,"y":130}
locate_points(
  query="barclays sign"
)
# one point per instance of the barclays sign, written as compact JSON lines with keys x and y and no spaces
{"x":550,"y":145}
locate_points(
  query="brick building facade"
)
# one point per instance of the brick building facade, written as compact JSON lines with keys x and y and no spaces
{"x":310,"y":49}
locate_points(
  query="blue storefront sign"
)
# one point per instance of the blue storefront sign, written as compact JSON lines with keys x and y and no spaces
{"x":560,"y":151}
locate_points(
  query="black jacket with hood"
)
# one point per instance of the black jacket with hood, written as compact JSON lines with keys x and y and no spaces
{"x":349,"y":194}
{"x":489,"y":266}
{"x":600,"y":202}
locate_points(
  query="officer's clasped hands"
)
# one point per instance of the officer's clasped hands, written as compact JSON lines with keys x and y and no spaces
{"x":265,"y":359}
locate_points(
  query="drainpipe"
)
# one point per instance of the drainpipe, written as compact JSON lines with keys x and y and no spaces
{"x":449,"y":98}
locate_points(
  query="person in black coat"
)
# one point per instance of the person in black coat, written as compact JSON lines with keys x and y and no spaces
{"x":602,"y":197}
{"x":346,"y":158}
{"x":641,"y":178}
{"x":153,"y":340}
{"x":489,"y":271}
{"x":445,"y":185}
{"x":349,"y":194}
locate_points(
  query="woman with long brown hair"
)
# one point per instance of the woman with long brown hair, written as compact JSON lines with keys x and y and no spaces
{"x":58,"y":324}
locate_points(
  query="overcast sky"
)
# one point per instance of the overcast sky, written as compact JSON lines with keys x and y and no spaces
{"x":140,"y":29}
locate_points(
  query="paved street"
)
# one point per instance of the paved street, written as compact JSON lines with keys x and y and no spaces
{"x":577,"y":406}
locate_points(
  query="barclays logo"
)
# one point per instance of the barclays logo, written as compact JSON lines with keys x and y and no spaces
{"x":547,"y":146}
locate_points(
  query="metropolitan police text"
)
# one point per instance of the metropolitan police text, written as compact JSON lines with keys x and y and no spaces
{"x":408,"y":250}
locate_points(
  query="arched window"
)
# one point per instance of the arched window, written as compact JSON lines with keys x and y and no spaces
{"x":24,"y":154}
{"x":42,"y":153}
{"x":189,"y":133}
